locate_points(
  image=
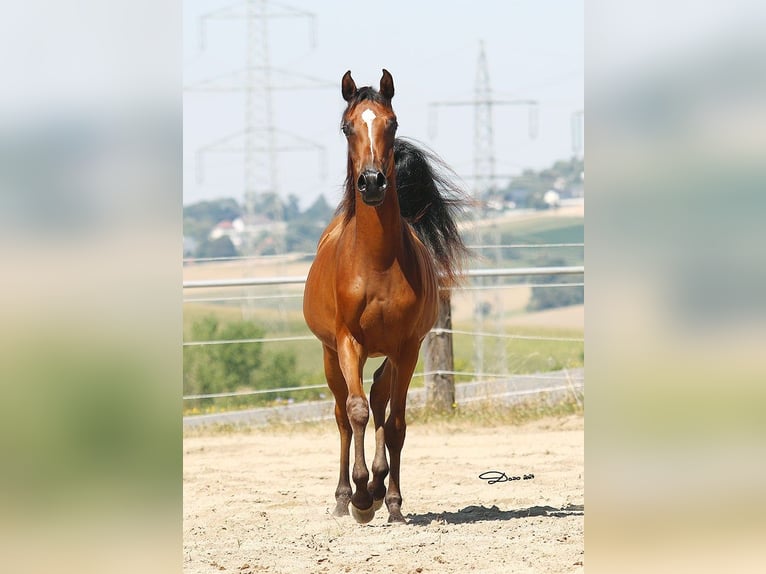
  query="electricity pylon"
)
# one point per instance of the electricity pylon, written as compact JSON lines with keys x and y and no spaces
{"x":484,"y":178}
{"x":260,"y":141}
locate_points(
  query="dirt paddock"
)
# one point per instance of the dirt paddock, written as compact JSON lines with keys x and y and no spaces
{"x":260,"y":501}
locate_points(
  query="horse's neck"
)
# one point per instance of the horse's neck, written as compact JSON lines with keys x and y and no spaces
{"x":379,"y":229}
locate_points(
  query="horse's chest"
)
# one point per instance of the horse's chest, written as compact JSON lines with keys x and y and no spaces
{"x":385,"y":313}
{"x":380,"y":307}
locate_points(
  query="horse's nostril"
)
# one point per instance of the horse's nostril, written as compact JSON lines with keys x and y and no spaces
{"x":381,"y":180}
{"x":361,"y":183}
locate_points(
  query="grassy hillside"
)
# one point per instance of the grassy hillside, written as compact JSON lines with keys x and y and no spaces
{"x":534,"y":231}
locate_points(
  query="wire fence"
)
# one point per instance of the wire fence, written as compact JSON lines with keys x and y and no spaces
{"x":297,"y":256}
{"x":507,"y":390}
{"x":366,"y":381}
{"x":291,"y":281}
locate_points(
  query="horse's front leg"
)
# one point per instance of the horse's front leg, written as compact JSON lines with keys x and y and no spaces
{"x":351,"y":357}
{"x":339,"y":390}
{"x":396,"y":425}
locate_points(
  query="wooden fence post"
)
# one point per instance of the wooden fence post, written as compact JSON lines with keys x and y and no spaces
{"x":437,"y":356}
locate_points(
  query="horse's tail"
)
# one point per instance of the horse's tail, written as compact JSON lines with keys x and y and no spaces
{"x":430,"y":200}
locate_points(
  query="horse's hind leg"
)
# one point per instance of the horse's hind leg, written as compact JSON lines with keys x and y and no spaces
{"x":338,"y":387}
{"x":379,"y":395}
{"x":396,"y":426}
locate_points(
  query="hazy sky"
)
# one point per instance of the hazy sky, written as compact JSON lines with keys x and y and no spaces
{"x":534,"y":50}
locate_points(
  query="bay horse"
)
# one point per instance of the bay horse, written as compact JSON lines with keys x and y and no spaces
{"x":373,"y":288}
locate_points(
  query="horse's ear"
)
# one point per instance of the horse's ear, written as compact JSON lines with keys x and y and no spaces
{"x":387,"y":85}
{"x":348,"y":87}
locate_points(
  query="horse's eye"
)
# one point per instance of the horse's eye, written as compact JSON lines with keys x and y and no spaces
{"x":346,"y":129}
{"x":393,"y":124}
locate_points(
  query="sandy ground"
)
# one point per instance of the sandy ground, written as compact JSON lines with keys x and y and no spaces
{"x":260,"y":501}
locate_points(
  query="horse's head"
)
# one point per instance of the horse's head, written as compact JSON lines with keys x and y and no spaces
{"x":369,"y":124}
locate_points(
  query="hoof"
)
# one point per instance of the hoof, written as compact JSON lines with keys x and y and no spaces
{"x":340,"y":510}
{"x":395,"y":517}
{"x":377,"y":503}
{"x":363,"y":516}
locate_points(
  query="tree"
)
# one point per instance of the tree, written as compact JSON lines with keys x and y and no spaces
{"x":303,"y":235}
{"x":240,"y":360}
{"x":202,"y":375}
{"x":320,"y":210}
{"x":304,"y":231}
{"x":552,"y":297}
{"x":280,"y":371}
{"x":223,"y":367}
{"x":292,"y":208}
{"x":270,"y":206}
{"x":229,"y":366}
{"x":220,"y":247}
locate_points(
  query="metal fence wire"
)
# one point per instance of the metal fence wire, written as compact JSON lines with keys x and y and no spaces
{"x":479,"y":334}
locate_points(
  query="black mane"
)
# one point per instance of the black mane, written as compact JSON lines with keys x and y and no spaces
{"x":429,"y":200}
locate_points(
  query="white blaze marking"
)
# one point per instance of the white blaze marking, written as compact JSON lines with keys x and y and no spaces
{"x":367,"y":117}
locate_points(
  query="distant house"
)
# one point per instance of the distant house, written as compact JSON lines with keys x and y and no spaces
{"x":222,"y":228}
{"x":552,"y":198}
{"x":234,"y":230}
